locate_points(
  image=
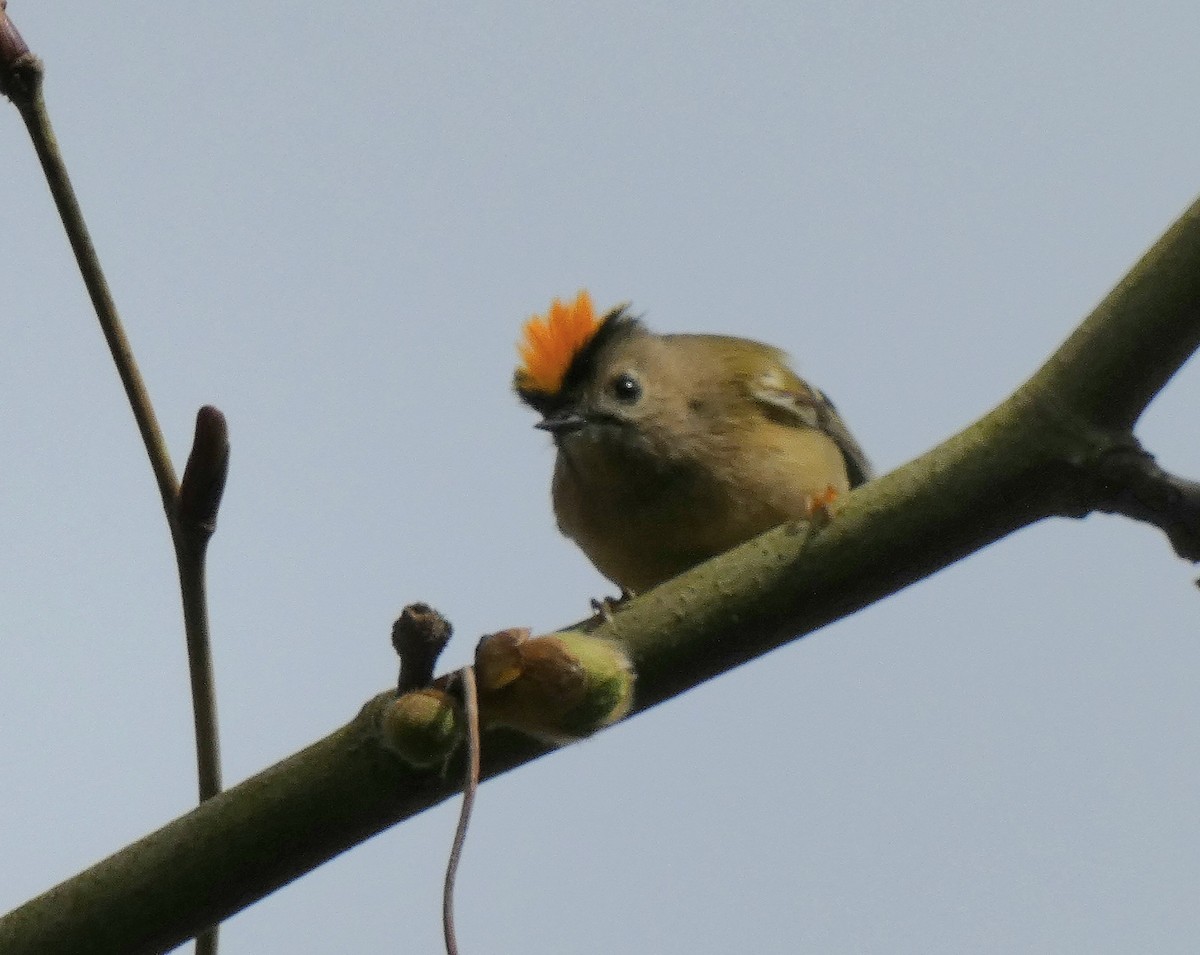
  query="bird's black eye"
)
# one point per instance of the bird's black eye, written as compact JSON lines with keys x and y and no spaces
{"x":626,"y":388}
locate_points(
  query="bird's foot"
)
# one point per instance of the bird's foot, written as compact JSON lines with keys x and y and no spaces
{"x":604,"y":608}
{"x":820,"y":507}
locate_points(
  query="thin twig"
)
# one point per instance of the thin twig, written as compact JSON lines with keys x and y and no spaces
{"x":192,"y":585}
{"x":28,"y":99}
{"x":191,"y":516}
{"x":195,"y":521}
{"x":470,"y":786}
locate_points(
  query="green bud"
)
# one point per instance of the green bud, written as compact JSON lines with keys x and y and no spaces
{"x":423,"y":727}
{"x":559,"y":687}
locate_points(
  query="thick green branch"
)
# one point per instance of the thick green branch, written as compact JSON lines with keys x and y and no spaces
{"x":1137,"y":338}
{"x":1049,"y":449}
{"x":252,"y":839}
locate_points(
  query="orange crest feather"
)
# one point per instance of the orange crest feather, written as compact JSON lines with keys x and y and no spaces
{"x":550,"y":343}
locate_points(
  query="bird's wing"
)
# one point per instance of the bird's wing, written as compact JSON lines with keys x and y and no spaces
{"x":805,"y":405}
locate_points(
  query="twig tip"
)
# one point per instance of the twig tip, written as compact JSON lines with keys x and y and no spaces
{"x":203,"y":482}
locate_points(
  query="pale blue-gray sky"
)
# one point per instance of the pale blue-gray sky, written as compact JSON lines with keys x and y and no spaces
{"x":331,"y":221}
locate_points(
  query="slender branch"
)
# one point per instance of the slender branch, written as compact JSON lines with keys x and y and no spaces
{"x":27,"y":96}
{"x":195,"y":521}
{"x":190,"y":510}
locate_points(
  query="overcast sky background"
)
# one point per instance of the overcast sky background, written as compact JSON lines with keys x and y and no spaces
{"x":331,"y":222}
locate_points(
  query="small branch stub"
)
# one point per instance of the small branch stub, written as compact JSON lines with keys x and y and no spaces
{"x":425,"y":724}
{"x":1128,"y":481}
{"x":419,"y":636}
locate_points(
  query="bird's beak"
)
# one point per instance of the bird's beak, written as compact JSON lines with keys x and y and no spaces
{"x":562,"y":423}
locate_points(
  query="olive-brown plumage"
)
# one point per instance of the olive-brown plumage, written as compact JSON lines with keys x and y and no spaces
{"x":675,"y":448}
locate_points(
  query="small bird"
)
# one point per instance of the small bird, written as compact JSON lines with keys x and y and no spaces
{"x":675,"y":448}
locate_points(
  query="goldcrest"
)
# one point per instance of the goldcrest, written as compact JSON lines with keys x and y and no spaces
{"x":674,"y":448}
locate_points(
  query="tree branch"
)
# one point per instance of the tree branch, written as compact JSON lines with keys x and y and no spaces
{"x":21,"y":81}
{"x":1060,"y":445}
{"x":194,"y":520}
{"x":1108,"y":371}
